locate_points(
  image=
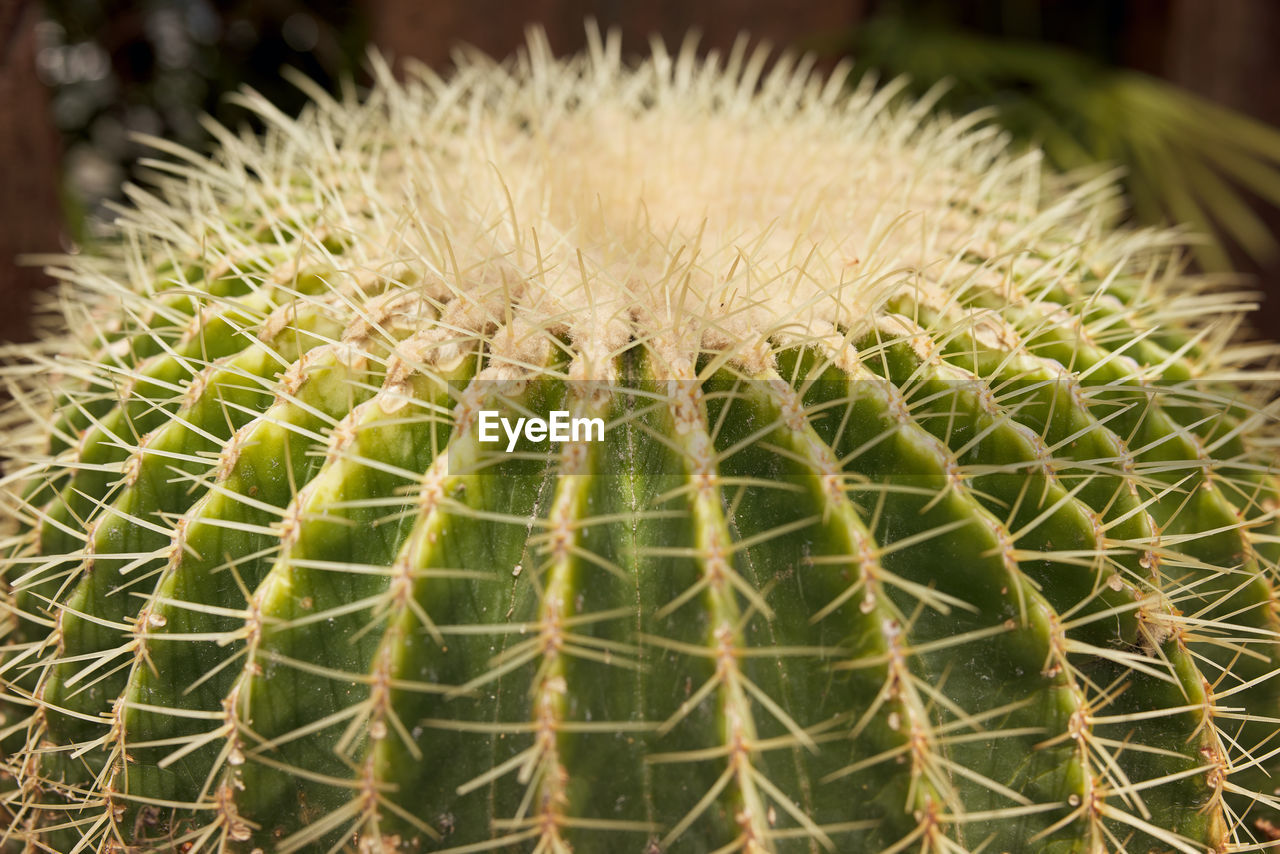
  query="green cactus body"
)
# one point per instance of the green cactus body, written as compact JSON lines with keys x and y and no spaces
{"x":931,"y":512}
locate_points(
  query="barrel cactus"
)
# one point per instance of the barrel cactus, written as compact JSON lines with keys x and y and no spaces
{"x":919,"y":505}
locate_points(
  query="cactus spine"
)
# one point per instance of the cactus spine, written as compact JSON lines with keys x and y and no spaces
{"x":934,"y":511}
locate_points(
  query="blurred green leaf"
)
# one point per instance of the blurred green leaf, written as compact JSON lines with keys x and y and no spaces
{"x":1186,"y":160}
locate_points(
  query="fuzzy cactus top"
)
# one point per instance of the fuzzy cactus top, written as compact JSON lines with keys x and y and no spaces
{"x":935,"y":511}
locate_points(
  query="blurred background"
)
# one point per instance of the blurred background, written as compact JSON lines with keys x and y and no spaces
{"x":1183,"y":95}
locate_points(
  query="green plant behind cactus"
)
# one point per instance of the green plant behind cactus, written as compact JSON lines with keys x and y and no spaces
{"x":931,"y":512}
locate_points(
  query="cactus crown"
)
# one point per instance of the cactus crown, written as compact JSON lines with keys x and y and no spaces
{"x":933,"y":512}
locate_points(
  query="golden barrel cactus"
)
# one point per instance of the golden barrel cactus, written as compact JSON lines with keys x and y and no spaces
{"x":920,"y":505}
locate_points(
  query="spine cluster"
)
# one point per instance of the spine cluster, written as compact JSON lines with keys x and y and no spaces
{"x":929,"y":510}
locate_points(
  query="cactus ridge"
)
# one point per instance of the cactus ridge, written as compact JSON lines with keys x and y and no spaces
{"x":934,"y":511}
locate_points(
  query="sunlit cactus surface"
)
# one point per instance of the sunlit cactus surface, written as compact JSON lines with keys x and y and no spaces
{"x":928,"y":508}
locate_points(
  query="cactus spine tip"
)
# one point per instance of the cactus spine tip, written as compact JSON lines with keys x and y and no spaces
{"x":931,"y":509}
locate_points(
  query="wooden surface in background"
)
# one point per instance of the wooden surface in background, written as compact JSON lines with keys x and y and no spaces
{"x":30,"y":215}
{"x":1229,"y":52}
{"x":428,"y":31}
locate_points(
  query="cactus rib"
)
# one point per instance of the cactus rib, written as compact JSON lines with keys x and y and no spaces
{"x":935,"y":510}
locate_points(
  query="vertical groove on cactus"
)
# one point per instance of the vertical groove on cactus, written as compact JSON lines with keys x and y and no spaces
{"x":933,"y":510}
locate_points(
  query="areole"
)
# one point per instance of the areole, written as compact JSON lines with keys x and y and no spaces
{"x":929,"y":509}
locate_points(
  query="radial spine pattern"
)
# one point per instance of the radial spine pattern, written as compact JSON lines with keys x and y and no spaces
{"x":933,"y":511}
